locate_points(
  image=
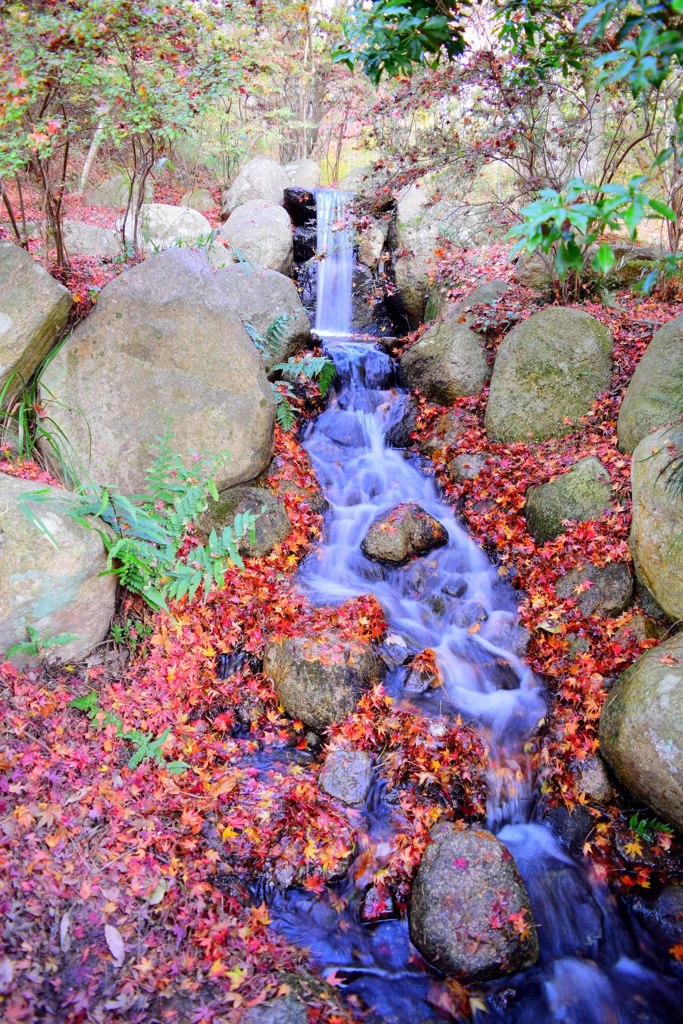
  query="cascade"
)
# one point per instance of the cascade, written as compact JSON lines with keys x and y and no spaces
{"x":595,"y":967}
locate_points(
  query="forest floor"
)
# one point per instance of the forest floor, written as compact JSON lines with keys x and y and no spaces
{"x":126,"y":891}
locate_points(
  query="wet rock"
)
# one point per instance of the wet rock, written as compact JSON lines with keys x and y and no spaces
{"x":446,"y":431}
{"x":404,"y":423}
{"x":300,"y":205}
{"x":33,"y":312}
{"x":262,"y":297}
{"x":130,"y":367}
{"x":405,"y":532}
{"x":641,"y":729}
{"x":466,"y":897}
{"x":319,"y":678}
{"x":344,"y":428}
{"x":581,"y":494}
{"x":548,"y":372}
{"x":199,"y":199}
{"x":592,"y":781}
{"x":272,"y":527}
{"x":395,"y":650}
{"x":55,"y":588}
{"x":664,"y":915}
{"x":260,"y":233}
{"x":468,"y":614}
{"x":653,"y":397}
{"x":346,"y":775}
{"x":466,"y":467}
{"x":571,"y":827}
{"x":304,"y":242}
{"x":610,"y":591}
{"x":283,"y":1010}
{"x":259,"y":179}
{"x":456,"y":586}
{"x":657,"y":523}
{"x":423,"y":674}
{"x":363,"y":300}
{"x":503,"y":630}
{"x":446,"y":363}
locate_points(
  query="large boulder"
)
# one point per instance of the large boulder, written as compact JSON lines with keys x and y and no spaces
{"x":358,"y":179}
{"x":470,"y":914}
{"x":447,"y":362}
{"x":303,"y":174}
{"x":52,"y":584}
{"x":402,"y":533}
{"x":90,"y":240}
{"x":583,"y":493}
{"x":114,"y":191}
{"x":657,"y":524}
{"x":641,"y":729}
{"x":263,"y":298}
{"x":653,"y":398}
{"x":319,"y":679}
{"x":548,"y":372}
{"x":161,"y":226}
{"x":162,"y":345}
{"x":33,"y":312}
{"x":260,"y":232}
{"x":260,"y":179}
{"x":439,"y":304}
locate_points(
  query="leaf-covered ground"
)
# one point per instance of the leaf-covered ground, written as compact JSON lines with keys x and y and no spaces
{"x":128,"y":893}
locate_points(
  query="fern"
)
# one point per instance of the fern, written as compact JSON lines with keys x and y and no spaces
{"x":274,"y":342}
{"x":147,"y":533}
{"x":312,"y":368}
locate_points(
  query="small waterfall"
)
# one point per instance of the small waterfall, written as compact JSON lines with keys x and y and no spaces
{"x":595,"y":967}
{"x":335,"y":270}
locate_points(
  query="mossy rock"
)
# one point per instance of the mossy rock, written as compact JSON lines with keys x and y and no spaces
{"x":653,"y":398}
{"x":641,"y":729}
{"x":272,"y":522}
{"x":581,"y":494}
{"x":446,"y":363}
{"x":548,"y":372}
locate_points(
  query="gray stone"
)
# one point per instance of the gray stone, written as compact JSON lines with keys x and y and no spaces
{"x":466,"y":467}
{"x":357,"y":179}
{"x":259,"y":179}
{"x":534,"y":270}
{"x":581,"y":494}
{"x":114,"y":192}
{"x":54,"y":587}
{"x":161,"y":226}
{"x":371,"y":241}
{"x":273,"y":525}
{"x":404,"y":422}
{"x":447,"y":430}
{"x":653,"y":397}
{"x":446,"y":363}
{"x":162,"y":345}
{"x":548,"y":372}
{"x":89,"y":240}
{"x":641,"y":729}
{"x":346,"y":775}
{"x":260,"y":297}
{"x":319,"y":679}
{"x":260,"y":233}
{"x":657,"y":525}
{"x":283,"y":1010}
{"x":303,"y":174}
{"x":465,"y":890}
{"x":199,"y":199}
{"x":33,"y":312}
{"x":402,"y":533}
{"x":610,"y":591}
{"x":489,"y":292}
{"x":591,"y":781}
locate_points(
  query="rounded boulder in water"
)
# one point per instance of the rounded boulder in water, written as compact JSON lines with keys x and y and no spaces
{"x":470,"y":914}
{"x":402,"y":533}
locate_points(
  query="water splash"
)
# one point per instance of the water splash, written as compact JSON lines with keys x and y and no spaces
{"x":335,"y":270}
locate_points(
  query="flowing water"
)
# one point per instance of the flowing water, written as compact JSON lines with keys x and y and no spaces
{"x":595,"y":966}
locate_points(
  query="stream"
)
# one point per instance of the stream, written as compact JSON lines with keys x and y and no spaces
{"x":597,"y":963}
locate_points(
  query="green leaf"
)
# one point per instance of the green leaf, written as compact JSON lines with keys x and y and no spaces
{"x":603,"y":261}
